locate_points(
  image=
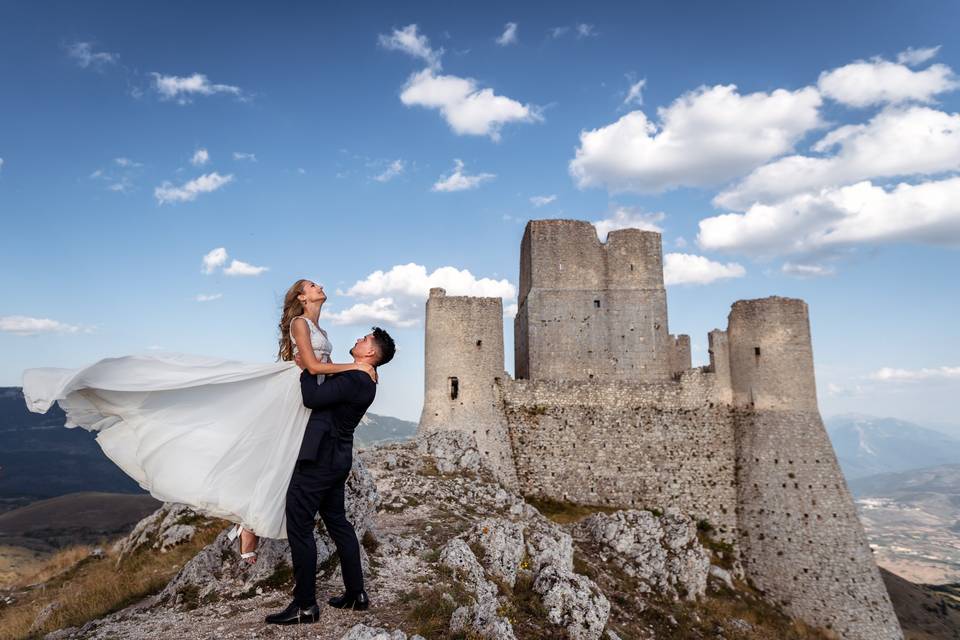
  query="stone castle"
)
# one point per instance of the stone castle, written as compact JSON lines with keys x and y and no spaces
{"x":605,"y":409}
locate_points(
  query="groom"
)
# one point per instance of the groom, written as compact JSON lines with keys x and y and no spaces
{"x":323,"y":465}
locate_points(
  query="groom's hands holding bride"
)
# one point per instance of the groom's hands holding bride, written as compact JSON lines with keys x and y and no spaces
{"x":362,"y":366}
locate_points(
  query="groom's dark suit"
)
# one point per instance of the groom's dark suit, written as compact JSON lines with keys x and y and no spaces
{"x":323,"y":465}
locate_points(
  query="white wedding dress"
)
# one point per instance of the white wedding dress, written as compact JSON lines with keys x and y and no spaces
{"x":218,"y":435}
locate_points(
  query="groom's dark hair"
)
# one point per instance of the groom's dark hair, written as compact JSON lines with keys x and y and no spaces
{"x":385,"y":346}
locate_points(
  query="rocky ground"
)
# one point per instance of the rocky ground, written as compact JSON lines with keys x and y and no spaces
{"x":449,"y":553}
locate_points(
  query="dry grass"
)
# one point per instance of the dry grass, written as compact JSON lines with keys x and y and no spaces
{"x":567,"y":512}
{"x":53,"y":566}
{"x":86,"y":588}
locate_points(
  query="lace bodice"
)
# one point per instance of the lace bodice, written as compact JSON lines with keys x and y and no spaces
{"x":322,"y":346}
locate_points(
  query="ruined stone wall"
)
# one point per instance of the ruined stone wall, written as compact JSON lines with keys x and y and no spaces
{"x":680,"y":356}
{"x":799,"y":536}
{"x":589,"y":310}
{"x":627,"y":445}
{"x":463,"y":355}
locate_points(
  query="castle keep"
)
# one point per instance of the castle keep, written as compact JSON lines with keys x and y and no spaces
{"x":606,"y":409}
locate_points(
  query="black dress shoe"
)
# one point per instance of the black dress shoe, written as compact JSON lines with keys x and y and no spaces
{"x":357,"y":601}
{"x":294,"y":614}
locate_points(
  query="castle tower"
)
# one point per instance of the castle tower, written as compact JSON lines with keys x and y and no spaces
{"x":463,"y":365}
{"x":589,"y":310}
{"x":801,"y":542}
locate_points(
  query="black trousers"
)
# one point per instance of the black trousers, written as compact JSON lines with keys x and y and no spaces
{"x":315,"y":487}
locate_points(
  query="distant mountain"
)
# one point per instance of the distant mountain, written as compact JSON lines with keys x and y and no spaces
{"x":912,"y":520}
{"x":867,"y":445}
{"x":374,"y":429}
{"x":40,"y":458}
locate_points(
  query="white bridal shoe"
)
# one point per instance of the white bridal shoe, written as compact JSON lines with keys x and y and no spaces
{"x":234,"y":534}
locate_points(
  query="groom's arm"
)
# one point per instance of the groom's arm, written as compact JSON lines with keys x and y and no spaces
{"x":334,"y":390}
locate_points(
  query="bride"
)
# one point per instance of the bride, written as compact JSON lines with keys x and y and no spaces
{"x":221,"y":436}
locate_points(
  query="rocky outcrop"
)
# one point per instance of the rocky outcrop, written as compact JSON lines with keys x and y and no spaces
{"x":170,"y":525}
{"x":452,"y":451}
{"x":662,"y":552}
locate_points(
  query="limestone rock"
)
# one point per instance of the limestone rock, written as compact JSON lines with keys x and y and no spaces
{"x":502,"y":544}
{"x":574,"y":602}
{"x":363,"y":632}
{"x":453,"y":451}
{"x":169,"y":525}
{"x":548,"y":544}
{"x":664,"y":553}
{"x":458,"y":556}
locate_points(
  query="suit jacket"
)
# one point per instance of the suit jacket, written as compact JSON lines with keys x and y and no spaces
{"x":338,"y":406}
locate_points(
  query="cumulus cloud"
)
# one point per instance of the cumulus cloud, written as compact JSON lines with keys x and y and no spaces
{"x":457,"y":180}
{"x":927,"y":213}
{"x":705,"y":137}
{"x":467,"y":109}
{"x":393,"y":170}
{"x":878,"y":81}
{"x":169,"y":193}
{"x":509,"y":35}
{"x":207,"y":297}
{"x":898,"y":141}
{"x":200,"y":157}
{"x":239,"y":268}
{"x":889,"y":374}
{"x":685,"y":268}
{"x":635,"y":93}
{"x":213,"y":259}
{"x":83,"y":54}
{"x":540,"y":201}
{"x":397,"y":296}
{"x":628,"y":218}
{"x":237,"y":155}
{"x":27,"y":326}
{"x":183,"y":89}
{"x":913,"y":57}
{"x":413,"y":43}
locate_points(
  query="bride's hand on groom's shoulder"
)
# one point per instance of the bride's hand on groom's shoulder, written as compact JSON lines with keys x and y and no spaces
{"x":368,"y":369}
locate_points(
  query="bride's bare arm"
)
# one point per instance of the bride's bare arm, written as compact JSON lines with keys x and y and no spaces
{"x":301,"y":335}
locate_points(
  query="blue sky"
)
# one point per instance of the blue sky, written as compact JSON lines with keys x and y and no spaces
{"x":807,"y":150}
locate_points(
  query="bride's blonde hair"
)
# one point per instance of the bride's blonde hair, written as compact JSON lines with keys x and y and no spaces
{"x":292,"y":307}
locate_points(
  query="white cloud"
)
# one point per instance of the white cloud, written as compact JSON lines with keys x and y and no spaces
{"x":126,"y":163}
{"x":457,"y":180}
{"x":381,"y":310}
{"x":1,"y":164}
{"x":685,"y":268}
{"x":394,"y":169}
{"x":168,"y":193}
{"x":705,"y":137}
{"x":927,"y":213}
{"x":628,"y":218}
{"x":207,"y":297}
{"x":898,"y":141}
{"x":878,"y":81}
{"x":397,"y":296}
{"x":539,"y":201}
{"x":467,"y":109}
{"x":85,"y":56}
{"x":182,"y":89}
{"x":200,"y":157}
{"x":509,"y":35}
{"x":27,"y":326}
{"x":214,"y":258}
{"x":635,"y":93}
{"x":807,"y":270}
{"x":239,"y":268}
{"x":889,"y":374}
{"x":913,"y":57}
{"x":415,"y":44}
{"x":237,"y":155}
{"x":557,"y":32}
{"x":585,"y":30}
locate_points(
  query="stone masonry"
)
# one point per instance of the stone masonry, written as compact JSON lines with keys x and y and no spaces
{"x":607,"y":410}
